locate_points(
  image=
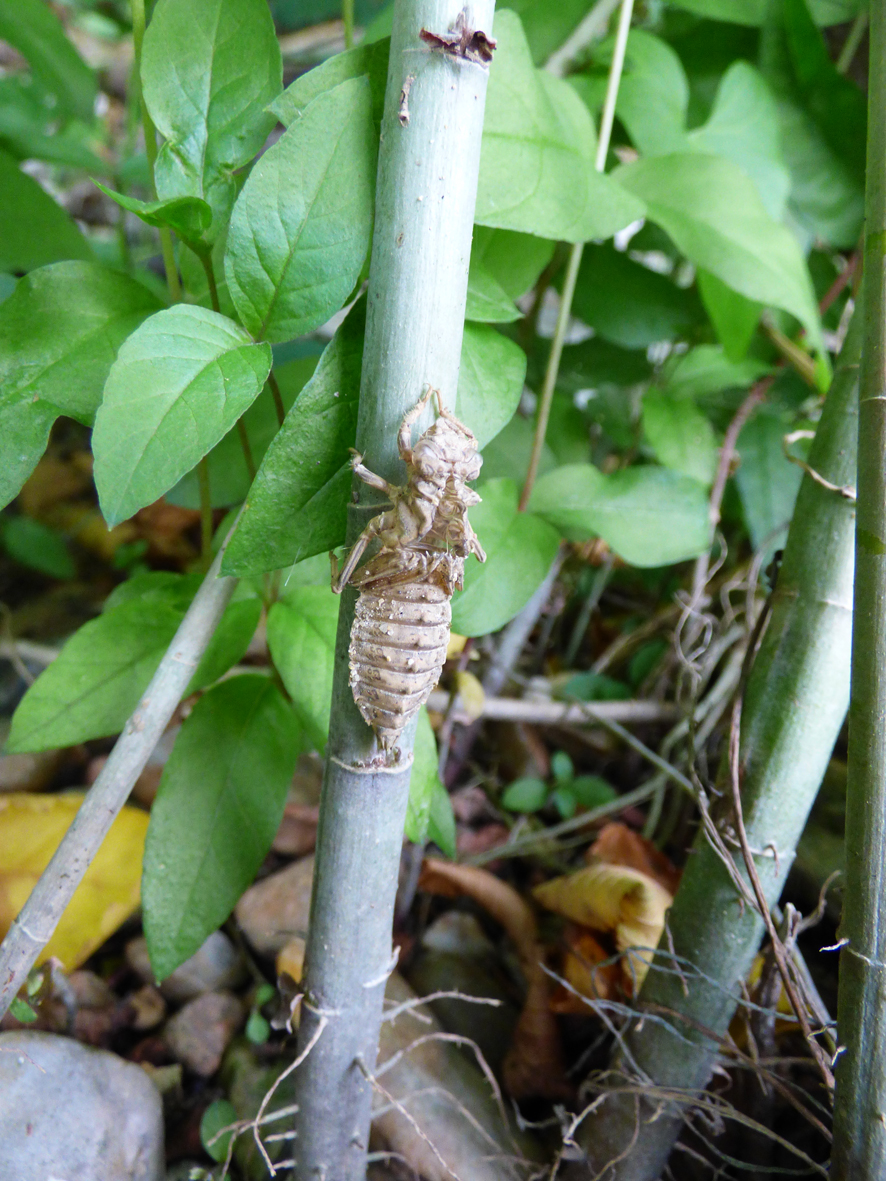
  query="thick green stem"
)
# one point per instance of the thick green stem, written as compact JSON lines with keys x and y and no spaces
{"x":794,"y":706}
{"x":347,"y":17}
{"x":427,"y":183}
{"x":138,"y":34}
{"x":565,"y":310}
{"x":860,"y":1112}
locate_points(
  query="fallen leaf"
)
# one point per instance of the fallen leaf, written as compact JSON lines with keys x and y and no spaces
{"x":471,"y":693}
{"x":534,"y":1064}
{"x":613,"y":898}
{"x":31,"y":829}
{"x":589,"y":970}
{"x":619,"y":845}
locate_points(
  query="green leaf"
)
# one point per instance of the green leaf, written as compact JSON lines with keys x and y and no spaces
{"x":707,"y":370}
{"x":229,"y":478}
{"x":218,"y":808}
{"x":627,"y":303}
{"x":520,"y":549}
{"x":680,"y":435}
{"x":592,"y":686}
{"x":514,"y":260}
{"x":734,"y":318}
{"x":36,"y":231}
{"x":219,"y":1114}
{"x":96,"y":681}
{"x":297,"y":506}
{"x":744,"y":127}
{"x":753,"y":12}
{"x":59,"y":333}
{"x":441,"y":821}
{"x":547,"y":25}
{"x":524,"y":795}
{"x":301,"y":639}
{"x":561,"y":766}
{"x":648,"y":515}
{"x":592,"y":792}
{"x":488,"y":301}
{"x":36,"y":32}
{"x":190,"y":217}
{"x":510,"y":451}
{"x":597,"y":362}
{"x":490,"y":381}
{"x":714,"y":215}
{"x":179,"y":384}
{"x":424,"y":782}
{"x":37,"y":546}
{"x":370,"y":61}
{"x":767,"y":481}
{"x":653,"y":94}
{"x":301,"y":227}
{"x":209,"y":72}
{"x":537,"y":163}
{"x":22,"y":1011}
{"x":564,"y":801}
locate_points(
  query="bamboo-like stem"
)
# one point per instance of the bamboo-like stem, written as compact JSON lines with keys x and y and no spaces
{"x":347,"y":19}
{"x":794,"y":706}
{"x":415,"y":319}
{"x":138,"y":35}
{"x":40,"y":915}
{"x":572,"y":267}
{"x":860,"y":1111}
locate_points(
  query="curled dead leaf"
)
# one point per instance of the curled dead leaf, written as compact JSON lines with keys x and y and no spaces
{"x":471,"y":693}
{"x":617,"y":844}
{"x":588,"y":970}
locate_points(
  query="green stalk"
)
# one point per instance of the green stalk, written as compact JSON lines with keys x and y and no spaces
{"x":572,"y":267}
{"x":415,"y":320}
{"x":347,"y":17}
{"x":860,"y":1111}
{"x":138,"y":36}
{"x":794,"y":706}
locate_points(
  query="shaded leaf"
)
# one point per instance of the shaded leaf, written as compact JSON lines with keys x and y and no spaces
{"x":524,"y":795}
{"x":648,"y":515}
{"x":31,"y":829}
{"x":35,"y":545}
{"x":218,"y":808}
{"x":301,"y":639}
{"x":537,"y":161}
{"x":59,"y":333}
{"x":734,"y":318}
{"x":36,"y":231}
{"x":520,"y":548}
{"x":706,"y":370}
{"x":490,"y":381}
{"x":680,"y":435}
{"x":514,"y":260}
{"x":424,"y":782}
{"x":36,"y":32}
{"x":208,"y":74}
{"x":301,"y":227}
{"x":488,"y":301}
{"x":179,"y":384}
{"x":767,"y":482}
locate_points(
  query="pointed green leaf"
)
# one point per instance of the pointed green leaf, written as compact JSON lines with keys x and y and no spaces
{"x":514,"y":260}
{"x":712,"y":211}
{"x":369,"y":61}
{"x":179,"y":384}
{"x":519,"y":547}
{"x":488,"y":302}
{"x":59,"y":333}
{"x":36,"y":231}
{"x":680,"y":435}
{"x":767,"y":481}
{"x":537,"y":163}
{"x":301,"y":227}
{"x":648,"y":515}
{"x":190,"y":217}
{"x":653,"y":94}
{"x":209,"y":71}
{"x":734,"y":317}
{"x":301,"y":639}
{"x":490,"y":381}
{"x":424,"y":782}
{"x":217,"y":811}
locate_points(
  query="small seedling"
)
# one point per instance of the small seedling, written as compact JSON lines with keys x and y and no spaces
{"x":566,"y":793}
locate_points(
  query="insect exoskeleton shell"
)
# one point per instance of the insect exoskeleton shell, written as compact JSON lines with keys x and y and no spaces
{"x":397,"y":651}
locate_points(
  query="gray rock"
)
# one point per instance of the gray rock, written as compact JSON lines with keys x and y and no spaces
{"x":277,"y":908}
{"x":217,"y":964}
{"x":71,"y":1113}
{"x":199,"y":1034}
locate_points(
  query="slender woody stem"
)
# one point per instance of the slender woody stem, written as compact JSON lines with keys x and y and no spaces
{"x":565,"y":310}
{"x":40,"y":915}
{"x":138,"y":35}
{"x":860,"y":1113}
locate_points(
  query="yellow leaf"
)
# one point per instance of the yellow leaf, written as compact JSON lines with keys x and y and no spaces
{"x":31,"y":829}
{"x":613,"y":898}
{"x":471,"y":693}
{"x":456,"y":645}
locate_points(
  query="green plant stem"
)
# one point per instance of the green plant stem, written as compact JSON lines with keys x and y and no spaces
{"x":278,"y":397}
{"x":205,"y":512}
{"x":415,"y":321}
{"x":852,"y":42}
{"x":347,"y":18}
{"x":794,"y":706}
{"x":206,"y":264}
{"x":572,"y":268}
{"x":860,"y":1110}
{"x":138,"y":35}
{"x":247,"y":448}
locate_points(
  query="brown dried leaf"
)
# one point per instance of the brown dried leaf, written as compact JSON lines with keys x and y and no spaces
{"x":617,"y":844}
{"x":582,"y":971}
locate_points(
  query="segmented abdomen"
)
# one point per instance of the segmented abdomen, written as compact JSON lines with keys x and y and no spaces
{"x":398,"y":646}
